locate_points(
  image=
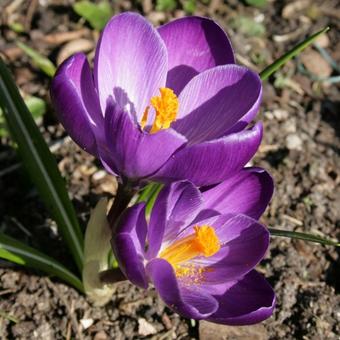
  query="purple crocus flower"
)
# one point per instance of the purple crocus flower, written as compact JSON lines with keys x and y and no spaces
{"x":199,"y":248}
{"x":164,"y":104}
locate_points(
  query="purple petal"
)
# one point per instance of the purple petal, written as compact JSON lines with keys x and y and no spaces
{"x":217,"y":289}
{"x":212,"y":162}
{"x":248,"y":193}
{"x":250,"y":301}
{"x":176,"y":206}
{"x":190,"y":302}
{"x":244,"y":244}
{"x":128,"y":244}
{"x":194,"y":45}
{"x":130,"y":63}
{"x":76,"y":102}
{"x":215,"y":100}
{"x":134,"y":153}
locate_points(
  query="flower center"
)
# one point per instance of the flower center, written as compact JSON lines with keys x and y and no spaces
{"x":203,"y":242}
{"x":166,"y":108}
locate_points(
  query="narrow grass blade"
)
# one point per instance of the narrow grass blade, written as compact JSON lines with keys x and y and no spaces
{"x":40,"y":164}
{"x":269,"y":70}
{"x":146,"y":192}
{"x":303,"y":236}
{"x":18,"y":252}
{"x":151,"y":201}
{"x":39,"y":60}
{"x":149,"y":195}
{"x":8,"y":316}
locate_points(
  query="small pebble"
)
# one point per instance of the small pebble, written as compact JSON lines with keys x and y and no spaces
{"x":166,"y":321}
{"x":145,"y":328}
{"x":280,"y":115}
{"x":316,"y":64}
{"x":322,"y":41}
{"x":99,"y":175}
{"x":86,"y":323}
{"x":294,"y":142}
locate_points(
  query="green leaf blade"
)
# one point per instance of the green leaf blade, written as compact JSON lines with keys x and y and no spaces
{"x":96,"y":14}
{"x":269,"y":70}
{"x":165,"y":5}
{"x":256,"y":3}
{"x":18,"y":252}
{"x":40,"y":164}
{"x":39,"y":60}
{"x":36,"y":106}
{"x":303,"y":236}
{"x":149,"y":194}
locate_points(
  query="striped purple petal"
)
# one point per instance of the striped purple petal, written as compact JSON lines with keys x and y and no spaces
{"x":194,"y":44}
{"x":134,"y":153}
{"x":215,"y":100}
{"x":128,"y":244}
{"x":249,"y":301}
{"x":193,"y":304}
{"x":130,"y":63}
{"x":76,"y":102}
{"x":248,"y":192}
{"x":175,"y":207}
{"x":212,"y":162}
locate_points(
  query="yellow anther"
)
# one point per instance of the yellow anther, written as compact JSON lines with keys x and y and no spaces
{"x":206,"y":240}
{"x":203,"y":242}
{"x":166,"y":108}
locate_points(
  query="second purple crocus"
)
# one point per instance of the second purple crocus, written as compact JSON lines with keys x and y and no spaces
{"x":164,"y":104}
{"x":200,"y":247}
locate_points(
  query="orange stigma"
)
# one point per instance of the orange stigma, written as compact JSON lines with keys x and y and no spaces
{"x":166,"y":108}
{"x":203,"y":242}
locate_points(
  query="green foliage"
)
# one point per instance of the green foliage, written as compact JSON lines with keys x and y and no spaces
{"x":189,"y":6}
{"x":248,"y":26}
{"x":152,"y":198}
{"x":96,"y":14}
{"x":43,"y":63}
{"x":149,"y":194}
{"x":3,"y":126}
{"x":40,"y":164}
{"x":269,"y":70}
{"x":8,"y":316}
{"x":258,"y":57}
{"x":280,"y":81}
{"x":166,"y":5}
{"x":35,"y":105}
{"x":17,"y":27}
{"x":18,"y":252}
{"x":256,"y":3}
{"x":303,"y":236}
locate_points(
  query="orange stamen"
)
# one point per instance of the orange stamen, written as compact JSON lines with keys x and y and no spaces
{"x":203,"y":242}
{"x":166,"y":108}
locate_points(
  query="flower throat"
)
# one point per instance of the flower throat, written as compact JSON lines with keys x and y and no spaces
{"x":203,"y":242}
